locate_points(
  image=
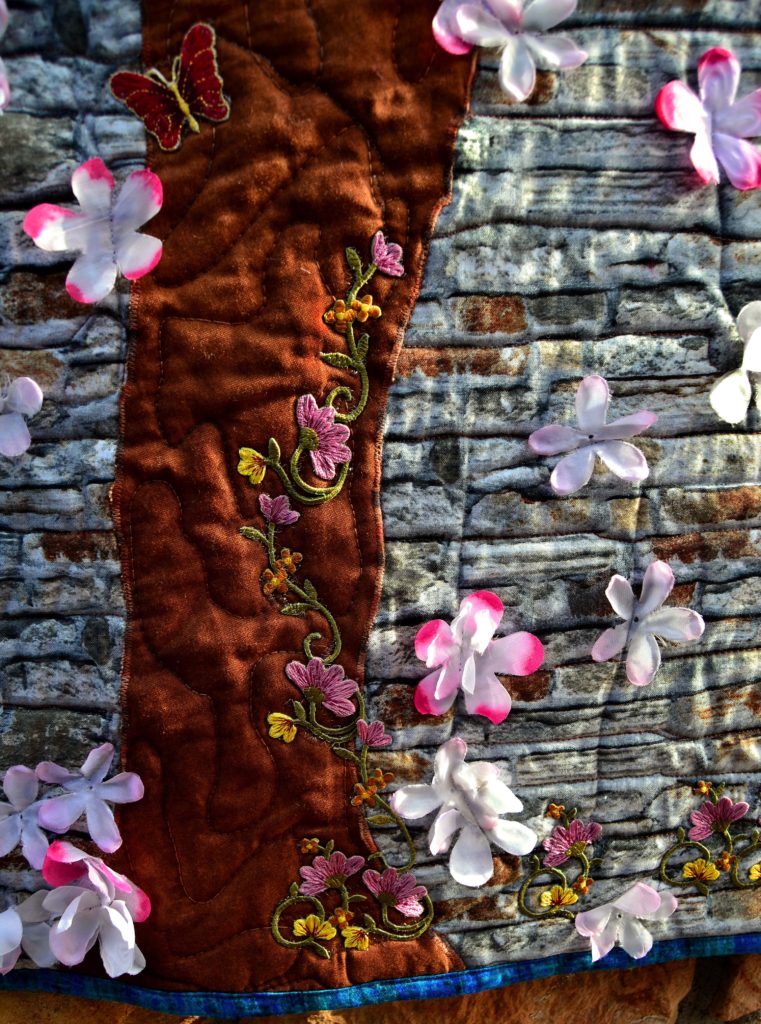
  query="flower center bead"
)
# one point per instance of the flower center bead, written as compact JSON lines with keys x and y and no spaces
{"x":335,"y":881}
{"x":312,"y":693}
{"x":577,"y":848}
{"x":308,"y":439}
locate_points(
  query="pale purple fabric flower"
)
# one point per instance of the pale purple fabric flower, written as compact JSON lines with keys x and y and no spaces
{"x":22,"y":397}
{"x":278,"y":510}
{"x":731,"y":395}
{"x":646,"y":621}
{"x":398,"y":891}
{"x":517,"y":33}
{"x":87,"y":793}
{"x":591,"y":438}
{"x":387,"y":256}
{"x":324,"y":685}
{"x":26,"y":928}
{"x":322,"y":437}
{"x":712,"y":818}
{"x":19,"y":818}
{"x":619,"y":921}
{"x":563,"y":842}
{"x":328,"y":873}
{"x":373,"y":734}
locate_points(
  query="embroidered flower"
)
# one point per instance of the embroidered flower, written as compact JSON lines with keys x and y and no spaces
{"x":464,"y":654}
{"x":253,"y":465}
{"x":341,"y":918}
{"x":309,"y":845}
{"x":328,"y":873}
{"x":555,"y":811}
{"x":558,"y":896}
{"x":19,"y":818}
{"x":289,"y":561}
{"x":282,"y":727}
{"x":755,"y":873}
{"x":324,"y":684}
{"x":517,"y":33}
{"x":703,"y":788}
{"x":277,"y":510}
{"x":387,"y":256}
{"x":364,"y":795}
{"x":365,"y":308}
{"x":470,"y":799}
{"x":373,"y":734}
{"x":593,"y":437}
{"x":730,"y":396}
{"x":22,"y":397}
{"x":583,"y":884}
{"x":716,"y":817}
{"x":275,"y":582}
{"x":339,"y":316}
{"x":725,"y":861}
{"x":398,"y":891}
{"x":87,"y":793}
{"x":701,"y":870}
{"x":719,"y":123}
{"x":619,"y":921}
{"x":322,"y":437}
{"x":356,"y":938}
{"x":646,"y":622}
{"x":26,"y":928}
{"x":105,"y":232}
{"x":569,"y":842}
{"x":311,"y":927}
{"x":381,"y":779}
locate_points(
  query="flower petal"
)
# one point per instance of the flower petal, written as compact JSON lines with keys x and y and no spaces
{"x":55,"y":229}
{"x":20,"y":785}
{"x":10,"y":833}
{"x":542,"y":15}
{"x":477,"y":620}
{"x":573,"y":472}
{"x":489,"y":698}
{"x":71,"y":944}
{"x":137,"y":254}
{"x":445,"y":28}
{"x":643,"y":659}
{"x":513,"y":837}
{"x":60,"y":812}
{"x":620,"y":596}
{"x":556,"y":51}
{"x":440,"y":834}
{"x":14,"y":435}
{"x":554,"y":439}
{"x":718,"y":78}
{"x":434,"y":642}
{"x":593,"y":922}
{"x":657,"y":584}
{"x":36,"y":944}
{"x":92,"y":276}
{"x":495,"y":795}
{"x":740,"y":160}
{"x":11,"y":930}
{"x":24,"y":396}
{"x":635,"y":938}
{"x":517,"y":654}
{"x":117,"y":940}
{"x":676,"y":624}
{"x":509,"y":12}
{"x":603,"y":943}
{"x":669,"y":904}
{"x":749,"y":320}
{"x":704,"y":159}
{"x":92,"y":183}
{"x":730,"y":396}
{"x":624,"y":459}
{"x":470,"y":862}
{"x":752,"y":353}
{"x":413,"y":802}
{"x":592,"y":398}
{"x":102,"y":826}
{"x":124,"y":788}
{"x":428,"y":699}
{"x":742,"y":119}
{"x":97,"y":762}
{"x":640,"y":901}
{"x":449,"y":757}
{"x":34,"y":844}
{"x":477,"y":26}
{"x":627,"y":426}
{"x":610,"y":643}
{"x":517,"y":72}
{"x":140,"y":199}
{"x":679,"y":109}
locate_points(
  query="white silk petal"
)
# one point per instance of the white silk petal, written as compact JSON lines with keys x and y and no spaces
{"x":513,"y":837}
{"x":592,"y":400}
{"x":635,"y":939}
{"x":554,"y":439}
{"x":610,"y":643}
{"x":92,"y":183}
{"x":140,"y":198}
{"x":573,"y":472}
{"x":136,"y":254}
{"x":657,"y":584}
{"x":742,"y":119}
{"x":679,"y":109}
{"x":752,"y":354}
{"x":92,"y":277}
{"x":643,"y":659}
{"x":11,"y":930}
{"x":542,"y":15}
{"x":641,"y":900}
{"x":14,"y":435}
{"x":413,"y":802}
{"x":740,"y":159}
{"x":517,"y":71}
{"x":730,"y":396}
{"x":624,"y":459}
{"x":477,"y":26}
{"x":679,"y":625}
{"x":20,"y":785}
{"x":556,"y":52}
{"x":24,"y":396}
{"x":620,"y":596}
{"x":704,"y":159}
{"x":718,"y":78}
{"x":749,"y":319}
{"x":470,"y":862}
{"x":445,"y":825}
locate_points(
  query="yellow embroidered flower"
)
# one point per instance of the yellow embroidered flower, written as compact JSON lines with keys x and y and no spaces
{"x":583,"y":884}
{"x":703,"y":788}
{"x":380,"y":779}
{"x":289,"y":562}
{"x":365,"y":308}
{"x":275,"y":581}
{"x":341,"y":917}
{"x":310,"y":845}
{"x":558,"y":896}
{"x":555,"y":811}
{"x":339,"y":316}
{"x":311,"y":927}
{"x":364,"y":795}
{"x":725,"y":861}
{"x":701,"y":870}
{"x":252,"y":465}
{"x":755,"y":873}
{"x":355,"y":938}
{"x":282,"y":727}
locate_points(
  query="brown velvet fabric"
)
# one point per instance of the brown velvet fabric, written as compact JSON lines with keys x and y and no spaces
{"x":343,"y":122}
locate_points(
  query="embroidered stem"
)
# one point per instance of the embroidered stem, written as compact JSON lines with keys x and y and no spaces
{"x":294,"y":898}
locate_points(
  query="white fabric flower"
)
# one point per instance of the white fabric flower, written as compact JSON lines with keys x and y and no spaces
{"x":517,"y":33}
{"x":619,"y":921}
{"x":26,"y":928}
{"x":470,"y":799}
{"x":105,"y":232}
{"x":87,"y":793}
{"x":645,"y":621}
{"x":730,"y":397}
{"x":19,"y":818}
{"x":22,"y":397}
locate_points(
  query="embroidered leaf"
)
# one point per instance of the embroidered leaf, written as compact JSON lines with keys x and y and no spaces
{"x":339,"y":359}
{"x":309,"y":590}
{"x":363,"y":344}
{"x":320,"y":950}
{"x":345,"y":755}
{"x":251,"y":533}
{"x":300,"y":608}
{"x":381,"y":819}
{"x":294,"y":890}
{"x":352,"y":258}
{"x":273,"y":450}
{"x":369,"y":923}
{"x":298,"y":710}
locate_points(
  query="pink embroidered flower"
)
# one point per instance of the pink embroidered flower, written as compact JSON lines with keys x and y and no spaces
{"x":719,"y":123}
{"x":646,"y":621}
{"x":324,"y":685}
{"x":464,"y":654}
{"x":105,"y":232}
{"x":26,"y":928}
{"x":731,"y":395}
{"x":517,"y":33}
{"x":328,"y":873}
{"x":716,"y":817}
{"x":398,"y":891}
{"x":278,"y":510}
{"x":387,"y":256}
{"x":87,"y":793}
{"x":619,"y":921}
{"x":563,"y":842}
{"x":19,"y":818}
{"x":373,"y":734}
{"x":591,"y":438}
{"x":22,"y":397}
{"x":321,"y":436}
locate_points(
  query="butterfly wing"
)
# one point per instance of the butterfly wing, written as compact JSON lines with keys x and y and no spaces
{"x":198,"y":79}
{"x":153,"y":103}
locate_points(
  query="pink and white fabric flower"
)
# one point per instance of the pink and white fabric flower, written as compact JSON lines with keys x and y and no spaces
{"x":19,"y":817}
{"x":328,"y":873}
{"x":322,"y":437}
{"x":716,"y":818}
{"x":730,"y":397}
{"x":517,"y":33}
{"x":592,"y":438}
{"x":87,"y":793}
{"x":645,"y":622}
{"x":719,"y":123}
{"x":398,"y":891}
{"x":470,"y":799}
{"x":387,"y":256}
{"x":563,"y":842}
{"x":5,"y":89}
{"x":324,"y":684}
{"x":26,"y":928}
{"x":105,"y":232}
{"x":22,"y":397}
{"x":373,"y":734}
{"x":465,"y":655}
{"x":620,"y":921}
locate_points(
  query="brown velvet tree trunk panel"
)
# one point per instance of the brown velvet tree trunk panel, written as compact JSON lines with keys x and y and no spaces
{"x":343,"y":123}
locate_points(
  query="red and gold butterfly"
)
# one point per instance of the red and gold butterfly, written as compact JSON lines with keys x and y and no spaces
{"x":195,"y":90}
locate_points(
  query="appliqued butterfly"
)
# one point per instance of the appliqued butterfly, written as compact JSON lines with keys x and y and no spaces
{"x":194,"y":91}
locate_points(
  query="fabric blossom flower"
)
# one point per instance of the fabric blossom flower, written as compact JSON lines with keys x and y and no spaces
{"x":87,"y":793}
{"x":105,"y":232}
{"x":398,"y":891}
{"x":470,"y":799}
{"x":25,"y":928}
{"x":730,"y":396}
{"x":465,"y":655}
{"x":22,"y":397}
{"x":593,"y":437}
{"x":646,"y":621}
{"x":328,"y":873}
{"x":620,"y":921}
{"x":19,"y":818}
{"x":720,"y":123}
{"x":322,"y":437}
{"x":517,"y":32}
{"x":324,"y":684}
{"x":373,"y":734}
{"x":563,"y":842}
{"x":278,"y":510}
{"x":716,"y":818}
{"x":387,"y":256}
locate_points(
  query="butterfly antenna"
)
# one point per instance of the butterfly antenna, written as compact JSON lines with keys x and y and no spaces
{"x":155,"y":75}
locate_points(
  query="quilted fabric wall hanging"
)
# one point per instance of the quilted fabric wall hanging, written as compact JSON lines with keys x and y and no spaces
{"x":530,"y":749}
